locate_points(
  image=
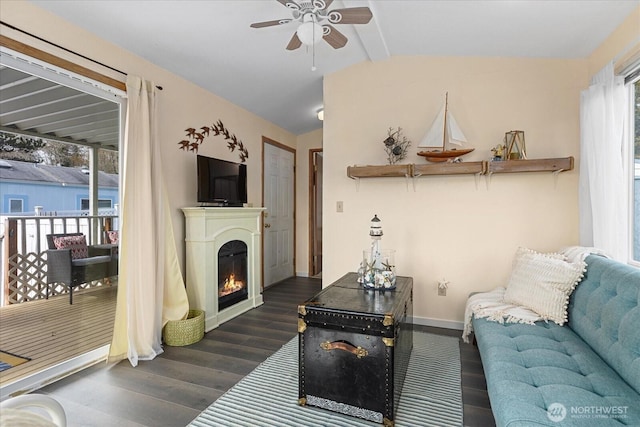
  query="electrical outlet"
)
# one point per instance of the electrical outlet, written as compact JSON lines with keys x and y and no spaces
{"x":339,"y":206}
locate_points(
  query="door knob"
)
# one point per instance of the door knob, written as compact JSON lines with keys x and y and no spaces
{"x":267,"y":225}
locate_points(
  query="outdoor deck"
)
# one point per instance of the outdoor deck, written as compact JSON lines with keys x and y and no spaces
{"x":52,"y":331}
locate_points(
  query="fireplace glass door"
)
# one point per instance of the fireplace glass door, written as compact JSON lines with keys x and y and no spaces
{"x":232,"y":273}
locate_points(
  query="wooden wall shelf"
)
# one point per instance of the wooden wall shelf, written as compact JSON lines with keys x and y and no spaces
{"x":449,"y":168}
{"x":476,"y":168}
{"x":379,"y":171}
{"x":531,"y":165}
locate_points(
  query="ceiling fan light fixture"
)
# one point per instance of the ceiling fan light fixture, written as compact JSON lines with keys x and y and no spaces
{"x":309,"y":33}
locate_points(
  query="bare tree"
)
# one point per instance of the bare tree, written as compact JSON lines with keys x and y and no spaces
{"x":38,"y":150}
{"x":22,"y":148}
{"x":61,"y":154}
{"x":108,"y":161}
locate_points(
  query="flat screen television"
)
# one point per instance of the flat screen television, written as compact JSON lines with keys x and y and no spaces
{"x":221,"y":183}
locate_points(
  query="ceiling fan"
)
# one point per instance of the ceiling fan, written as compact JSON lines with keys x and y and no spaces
{"x":315,"y":22}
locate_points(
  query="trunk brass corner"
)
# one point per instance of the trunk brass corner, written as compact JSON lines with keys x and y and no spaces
{"x":302,"y":310}
{"x":302,"y":326}
{"x":388,"y":341}
{"x":386,"y":422}
{"x":302,"y":401}
{"x":388,"y":320}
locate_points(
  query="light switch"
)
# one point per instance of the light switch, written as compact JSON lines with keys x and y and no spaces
{"x":339,"y":206}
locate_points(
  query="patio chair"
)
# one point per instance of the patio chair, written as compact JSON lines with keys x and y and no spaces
{"x":72,"y":262}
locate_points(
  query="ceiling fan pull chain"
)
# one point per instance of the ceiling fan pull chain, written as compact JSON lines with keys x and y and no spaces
{"x":313,"y":51}
{"x":313,"y":57}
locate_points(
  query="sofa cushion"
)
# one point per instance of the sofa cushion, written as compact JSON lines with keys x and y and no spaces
{"x":77,"y":244}
{"x":543,"y":283}
{"x":114,"y":236}
{"x":100,"y":259}
{"x":532,"y":369}
{"x":605,"y":312}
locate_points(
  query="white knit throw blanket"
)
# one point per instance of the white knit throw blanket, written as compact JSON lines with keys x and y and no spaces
{"x":491,"y":305}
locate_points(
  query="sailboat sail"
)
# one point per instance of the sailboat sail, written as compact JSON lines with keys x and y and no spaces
{"x":444,"y":131}
{"x":452,"y":132}
{"x":433,"y":138}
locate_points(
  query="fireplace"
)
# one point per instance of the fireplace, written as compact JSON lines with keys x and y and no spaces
{"x":232,"y":274}
{"x":223,"y":260}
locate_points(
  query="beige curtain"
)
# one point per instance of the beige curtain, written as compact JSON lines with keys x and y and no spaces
{"x":150,"y":286}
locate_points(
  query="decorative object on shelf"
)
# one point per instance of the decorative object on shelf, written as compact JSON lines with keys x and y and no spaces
{"x":377,"y":269}
{"x":195,"y":138}
{"x":443,"y":132}
{"x":497,"y":153}
{"x":396,"y":145}
{"x":514,"y":145}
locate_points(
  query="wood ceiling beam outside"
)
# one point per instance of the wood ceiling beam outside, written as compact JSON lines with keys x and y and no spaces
{"x":52,"y":110}
{"x":70,"y":123}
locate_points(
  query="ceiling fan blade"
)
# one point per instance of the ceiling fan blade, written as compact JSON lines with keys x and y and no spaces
{"x":289,"y":4}
{"x":270,"y":23}
{"x":334,"y":37}
{"x":294,"y":43}
{"x":351,"y":15}
{"x":322,"y":4}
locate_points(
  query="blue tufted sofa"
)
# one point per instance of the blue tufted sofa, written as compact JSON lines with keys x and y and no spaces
{"x":585,"y":373}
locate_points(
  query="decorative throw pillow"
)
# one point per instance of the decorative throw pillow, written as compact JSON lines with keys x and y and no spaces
{"x":543,"y":283}
{"x":77,"y":244}
{"x":113,"y":237}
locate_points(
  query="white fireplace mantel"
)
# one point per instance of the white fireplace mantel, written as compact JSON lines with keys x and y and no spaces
{"x":207,"y":230}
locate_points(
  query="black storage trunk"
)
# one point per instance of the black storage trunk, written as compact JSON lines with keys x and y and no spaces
{"x":354,"y":347}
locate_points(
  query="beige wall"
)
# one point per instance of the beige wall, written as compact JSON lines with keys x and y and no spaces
{"x":450,"y":226}
{"x":304,"y":143}
{"x":180,"y":105}
{"x":625,"y":40}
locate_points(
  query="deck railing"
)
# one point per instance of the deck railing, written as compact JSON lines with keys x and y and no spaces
{"x":24,"y":245}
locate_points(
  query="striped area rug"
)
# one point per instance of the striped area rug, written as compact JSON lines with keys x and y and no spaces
{"x":267,"y":397}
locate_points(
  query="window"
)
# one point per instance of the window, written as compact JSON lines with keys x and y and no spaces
{"x":16,"y":205}
{"x":635,"y":200}
{"x":102,"y":204}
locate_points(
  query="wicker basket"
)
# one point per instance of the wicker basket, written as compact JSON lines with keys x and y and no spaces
{"x":184,"y":332}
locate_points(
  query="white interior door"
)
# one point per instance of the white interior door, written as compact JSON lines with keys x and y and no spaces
{"x":278,"y":222}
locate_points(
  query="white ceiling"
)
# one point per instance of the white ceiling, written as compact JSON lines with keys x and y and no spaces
{"x":211,"y":44}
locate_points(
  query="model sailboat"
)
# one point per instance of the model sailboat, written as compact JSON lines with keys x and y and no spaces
{"x":444,"y":132}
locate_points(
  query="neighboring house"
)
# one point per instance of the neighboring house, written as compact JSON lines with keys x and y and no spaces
{"x":24,"y":185}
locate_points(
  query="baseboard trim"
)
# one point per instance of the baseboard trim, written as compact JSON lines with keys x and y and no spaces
{"x":53,"y":374}
{"x":438,"y":323}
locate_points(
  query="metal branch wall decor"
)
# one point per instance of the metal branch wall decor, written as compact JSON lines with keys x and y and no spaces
{"x":195,"y":137}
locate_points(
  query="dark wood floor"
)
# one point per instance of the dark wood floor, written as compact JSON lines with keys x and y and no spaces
{"x":174,"y":388}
